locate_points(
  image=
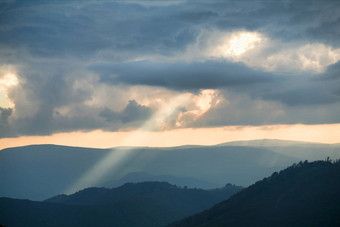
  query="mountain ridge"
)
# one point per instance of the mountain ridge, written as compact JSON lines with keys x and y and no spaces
{"x":229,"y":143}
{"x":304,"y":194}
{"x":133,"y":204}
{"x":181,"y":181}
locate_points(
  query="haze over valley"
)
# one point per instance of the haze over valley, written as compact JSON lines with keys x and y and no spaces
{"x":70,"y":169}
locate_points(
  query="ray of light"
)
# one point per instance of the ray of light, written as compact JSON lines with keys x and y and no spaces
{"x":118,"y":158}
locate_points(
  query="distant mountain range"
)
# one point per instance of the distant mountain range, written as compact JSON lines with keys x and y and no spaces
{"x":141,"y":204}
{"x":306,"y":194}
{"x":295,"y":149}
{"x":38,"y":172}
{"x":269,"y":143}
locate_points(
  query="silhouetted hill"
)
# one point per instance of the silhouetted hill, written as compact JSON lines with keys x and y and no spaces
{"x":137,"y":177}
{"x":151,"y":190}
{"x":306,"y":194}
{"x":141,"y":204}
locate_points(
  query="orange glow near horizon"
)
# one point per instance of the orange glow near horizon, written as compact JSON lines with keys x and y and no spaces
{"x":325,"y":133}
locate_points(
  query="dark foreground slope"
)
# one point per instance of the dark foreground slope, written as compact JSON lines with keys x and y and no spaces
{"x":141,"y":204}
{"x":306,"y":194}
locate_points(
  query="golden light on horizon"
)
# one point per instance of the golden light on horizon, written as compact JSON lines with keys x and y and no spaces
{"x":323,"y":133}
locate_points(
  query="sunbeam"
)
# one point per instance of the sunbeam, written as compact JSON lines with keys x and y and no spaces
{"x":118,"y":158}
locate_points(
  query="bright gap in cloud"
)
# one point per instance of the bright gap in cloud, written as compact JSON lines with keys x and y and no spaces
{"x":7,"y":81}
{"x":230,"y":45}
{"x":202,"y":103}
{"x":241,"y":42}
{"x":257,"y":50}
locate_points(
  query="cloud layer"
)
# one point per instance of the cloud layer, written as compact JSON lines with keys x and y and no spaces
{"x":113,"y":65}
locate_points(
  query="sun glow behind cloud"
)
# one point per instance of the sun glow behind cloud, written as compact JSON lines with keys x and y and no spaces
{"x":204,"y":101}
{"x":7,"y":81}
{"x":258,"y":50}
{"x":241,"y":42}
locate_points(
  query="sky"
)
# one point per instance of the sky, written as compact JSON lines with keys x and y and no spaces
{"x":168,"y":73}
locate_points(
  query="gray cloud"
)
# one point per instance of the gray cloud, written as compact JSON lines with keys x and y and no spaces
{"x":132,"y":112}
{"x":44,"y":88}
{"x":135,"y":112}
{"x":78,"y":29}
{"x":56,"y":45}
{"x":319,"y":89}
{"x":309,"y":90}
{"x":5,"y":129}
{"x":301,"y":89}
{"x":82,"y":29}
{"x":288,"y":20}
{"x":182,"y":76}
{"x":332,"y":73}
{"x":246,"y":110}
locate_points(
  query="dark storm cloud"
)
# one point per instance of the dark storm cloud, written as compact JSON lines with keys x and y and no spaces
{"x":197,"y":17}
{"x":302,"y":89}
{"x":244,"y":110}
{"x":332,"y":73}
{"x":56,"y":45}
{"x":305,"y":91}
{"x":132,"y":112}
{"x":305,"y":95}
{"x":327,"y":31}
{"x":81,"y":29}
{"x":288,"y":20}
{"x":5,"y":129}
{"x":135,"y":112}
{"x":46,"y":87}
{"x":182,"y":76}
